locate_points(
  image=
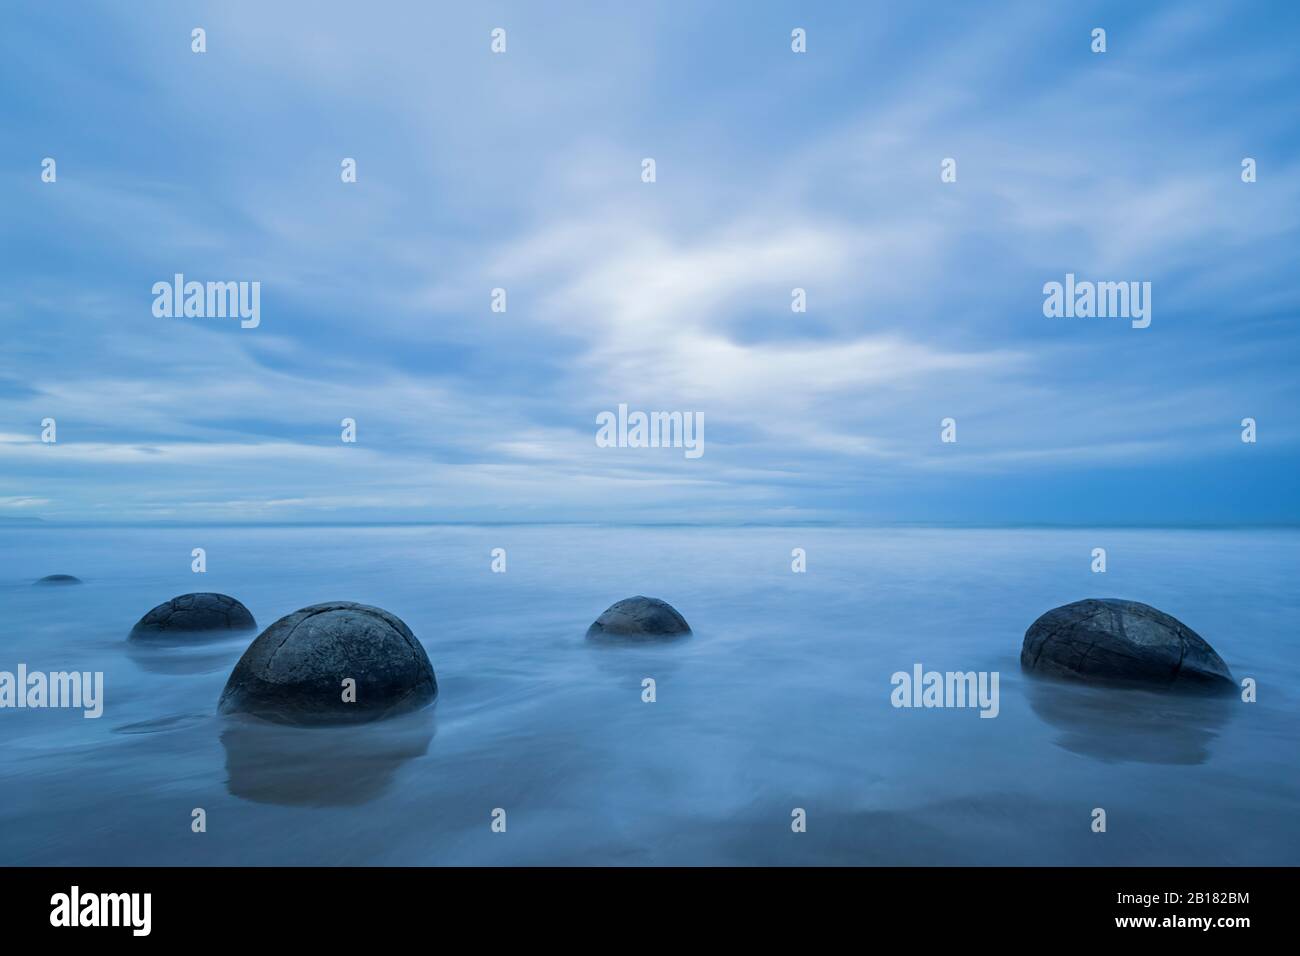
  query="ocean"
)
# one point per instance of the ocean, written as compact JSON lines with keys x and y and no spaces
{"x":777,"y":710}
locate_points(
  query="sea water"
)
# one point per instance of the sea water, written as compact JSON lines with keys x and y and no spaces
{"x":779,"y":703}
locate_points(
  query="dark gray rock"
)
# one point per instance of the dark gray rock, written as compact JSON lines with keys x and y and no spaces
{"x":1122,"y":642}
{"x":639,"y":619}
{"x":59,"y":579}
{"x":293,"y":672}
{"x":201,"y":613}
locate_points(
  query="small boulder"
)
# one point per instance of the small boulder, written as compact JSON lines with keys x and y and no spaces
{"x":59,"y":579}
{"x":294,"y":672}
{"x":1122,"y":642}
{"x":203,"y":612}
{"x":639,"y":619}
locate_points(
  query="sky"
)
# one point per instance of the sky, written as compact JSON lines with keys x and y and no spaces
{"x":774,"y":170}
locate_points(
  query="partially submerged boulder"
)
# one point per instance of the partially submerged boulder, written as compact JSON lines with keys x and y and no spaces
{"x":203,"y":613}
{"x":639,"y":619}
{"x":1122,"y":642}
{"x":295,"y":671}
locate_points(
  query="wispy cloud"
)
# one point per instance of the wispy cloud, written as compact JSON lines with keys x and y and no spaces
{"x":775,"y":172}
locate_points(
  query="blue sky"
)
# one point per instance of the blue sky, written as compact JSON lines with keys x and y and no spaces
{"x":775,"y":170}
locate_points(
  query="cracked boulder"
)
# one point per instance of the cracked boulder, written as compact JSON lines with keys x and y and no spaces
{"x":203,"y":613}
{"x":335,"y":663}
{"x":639,"y":619}
{"x":1107,"y":641}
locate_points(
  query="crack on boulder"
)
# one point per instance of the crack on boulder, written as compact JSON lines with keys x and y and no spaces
{"x":1132,"y":643}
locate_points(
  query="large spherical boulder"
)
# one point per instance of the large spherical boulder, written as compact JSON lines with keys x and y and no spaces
{"x":294,"y":672}
{"x":58,"y":579}
{"x":639,"y":619}
{"x":203,"y":613}
{"x":1122,"y":642}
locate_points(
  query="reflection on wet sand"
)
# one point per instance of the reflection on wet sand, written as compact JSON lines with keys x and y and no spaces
{"x":1115,"y":725}
{"x":320,"y":767}
{"x":195,"y":656}
{"x":630,"y":662}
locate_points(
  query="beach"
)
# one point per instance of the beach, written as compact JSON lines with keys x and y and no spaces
{"x":779,"y":701}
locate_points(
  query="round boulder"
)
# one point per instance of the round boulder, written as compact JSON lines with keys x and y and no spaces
{"x":203,"y":612}
{"x":295,"y":671}
{"x":1110,"y":641}
{"x":639,"y":619}
{"x":59,"y":579}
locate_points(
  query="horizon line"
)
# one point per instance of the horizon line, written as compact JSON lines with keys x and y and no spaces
{"x":14,"y":522}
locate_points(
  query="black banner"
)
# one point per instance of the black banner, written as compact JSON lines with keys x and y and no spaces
{"x":301,"y":906}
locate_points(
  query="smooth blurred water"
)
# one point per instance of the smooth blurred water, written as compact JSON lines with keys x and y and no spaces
{"x":780,"y":700}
